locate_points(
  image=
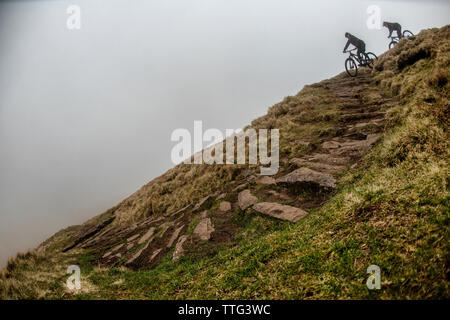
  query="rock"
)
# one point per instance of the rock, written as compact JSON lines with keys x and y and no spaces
{"x":281,"y":196}
{"x":164,"y":227}
{"x":117,"y":247}
{"x":246,"y":199}
{"x":240,"y":187}
{"x":204,"y":214}
{"x":280,"y":211}
{"x":179,"y":248}
{"x":178,"y":211}
{"x":222,"y":196}
{"x":174,"y":236}
{"x":326,"y":158}
{"x":154,"y":254}
{"x":202,"y":202}
{"x":308,"y":176}
{"x":266,"y":180}
{"x":324,"y":167}
{"x":224,"y":206}
{"x":131,"y":245}
{"x":204,"y":229}
{"x":347,"y":147}
{"x":138,"y":254}
{"x":90,"y":232}
{"x":330,"y":145}
{"x":133,"y":237}
{"x":147,"y":235}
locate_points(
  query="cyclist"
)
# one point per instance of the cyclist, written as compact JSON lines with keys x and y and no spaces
{"x":358,"y":43}
{"x":393,"y":26}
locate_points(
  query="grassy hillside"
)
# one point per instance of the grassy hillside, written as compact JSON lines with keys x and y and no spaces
{"x":390,"y":206}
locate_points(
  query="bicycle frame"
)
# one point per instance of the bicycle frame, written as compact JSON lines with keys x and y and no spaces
{"x":352,"y":55}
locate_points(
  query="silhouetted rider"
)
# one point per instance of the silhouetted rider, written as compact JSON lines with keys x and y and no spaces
{"x":358,"y":43}
{"x":393,"y":26}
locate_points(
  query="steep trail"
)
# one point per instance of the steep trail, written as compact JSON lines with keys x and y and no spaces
{"x":303,"y":183}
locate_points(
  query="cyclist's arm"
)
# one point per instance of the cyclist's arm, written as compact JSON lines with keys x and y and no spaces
{"x":346,"y":46}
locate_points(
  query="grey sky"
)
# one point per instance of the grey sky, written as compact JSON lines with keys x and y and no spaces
{"x":86,"y":116}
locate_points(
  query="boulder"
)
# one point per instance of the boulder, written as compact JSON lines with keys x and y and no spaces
{"x":224,"y":206}
{"x":204,"y":229}
{"x":280,"y":211}
{"x":308,"y":176}
{"x":246,"y":199}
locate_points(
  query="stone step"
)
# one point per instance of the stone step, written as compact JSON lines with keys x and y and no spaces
{"x":328,"y":159}
{"x":350,"y":147}
{"x":319,"y":166}
{"x":362,"y":116}
{"x":308,"y":176}
{"x":280,"y":211}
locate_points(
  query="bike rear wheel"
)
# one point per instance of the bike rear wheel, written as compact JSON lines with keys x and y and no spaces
{"x":370,"y":59}
{"x":407,"y":34}
{"x":351,"y":67}
{"x":392,"y":44}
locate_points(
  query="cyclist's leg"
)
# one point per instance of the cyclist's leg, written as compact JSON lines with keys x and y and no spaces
{"x":361,"y":54}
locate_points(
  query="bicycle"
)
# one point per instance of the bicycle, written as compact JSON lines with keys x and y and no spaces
{"x":351,"y":65}
{"x":395,"y":39}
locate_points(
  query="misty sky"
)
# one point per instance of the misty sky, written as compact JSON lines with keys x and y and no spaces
{"x":86,"y":116}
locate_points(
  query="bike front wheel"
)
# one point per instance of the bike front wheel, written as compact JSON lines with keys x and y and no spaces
{"x":371,"y":58}
{"x":392,"y":44}
{"x":407,"y":34}
{"x":351,"y":67}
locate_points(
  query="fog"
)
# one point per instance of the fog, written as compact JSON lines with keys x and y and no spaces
{"x":86,"y":115}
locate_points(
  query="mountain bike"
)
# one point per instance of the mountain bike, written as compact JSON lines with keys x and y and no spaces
{"x":353,"y":62}
{"x":394,"y":40}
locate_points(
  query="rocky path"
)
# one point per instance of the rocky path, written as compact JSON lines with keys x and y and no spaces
{"x":305,"y":182}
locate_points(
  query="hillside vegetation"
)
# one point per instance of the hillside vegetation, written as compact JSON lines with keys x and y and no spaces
{"x":363,"y":181}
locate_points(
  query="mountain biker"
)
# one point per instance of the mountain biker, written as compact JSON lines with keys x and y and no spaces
{"x":358,"y":43}
{"x":393,"y":26}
